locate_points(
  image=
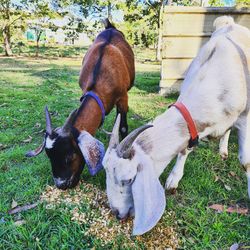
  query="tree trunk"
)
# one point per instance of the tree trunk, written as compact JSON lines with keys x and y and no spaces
{"x":109,"y":11}
{"x":159,"y":42}
{"x":6,"y":29}
{"x":7,"y":44}
{"x":39,"y":33}
{"x":37,"y":48}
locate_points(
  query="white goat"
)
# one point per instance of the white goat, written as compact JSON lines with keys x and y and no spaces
{"x":216,"y":93}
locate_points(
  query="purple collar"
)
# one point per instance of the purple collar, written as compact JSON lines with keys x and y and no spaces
{"x":98,"y":100}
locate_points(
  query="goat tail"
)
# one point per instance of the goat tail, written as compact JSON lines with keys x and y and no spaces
{"x":108,"y":24}
{"x":222,"y":21}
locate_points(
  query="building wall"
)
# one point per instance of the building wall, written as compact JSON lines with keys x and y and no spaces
{"x":185,"y":30}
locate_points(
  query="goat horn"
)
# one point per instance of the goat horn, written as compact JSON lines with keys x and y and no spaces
{"x":124,"y":147}
{"x":114,"y":139}
{"x":48,"y":121}
{"x":68,"y":123}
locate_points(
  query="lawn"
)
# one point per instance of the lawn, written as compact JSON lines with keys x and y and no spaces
{"x":67,"y":220}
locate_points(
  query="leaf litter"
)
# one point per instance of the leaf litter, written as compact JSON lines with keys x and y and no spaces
{"x":103,"y":224}
{"x":19,"y":222}
{"x":28,"y":140}
{"x":231,"y":209}
{"x":13,"y":204}
{"x":17,"y":209}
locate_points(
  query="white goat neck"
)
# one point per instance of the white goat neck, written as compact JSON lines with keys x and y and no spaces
{"x":168,"y":136}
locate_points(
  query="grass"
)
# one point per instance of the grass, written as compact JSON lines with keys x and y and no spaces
{"x":48,"y":50}
{"x":56,"y":51}
{"x":27,"y":85}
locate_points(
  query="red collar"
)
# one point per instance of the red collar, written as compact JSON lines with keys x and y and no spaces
{"x":190,"y":123}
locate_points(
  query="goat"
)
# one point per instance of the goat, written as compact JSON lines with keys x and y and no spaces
{"x":216,"y":93}
{"x":106,"y":75}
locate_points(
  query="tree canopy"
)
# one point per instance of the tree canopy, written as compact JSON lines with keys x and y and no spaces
{"x":140,"y":20}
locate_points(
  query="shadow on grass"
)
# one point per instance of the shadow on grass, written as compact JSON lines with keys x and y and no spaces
{"x":147,"y":81}
{"x":23,"y":63}
{"x":49,"y":51}
{"x":174,"y":95}
{"x":50,"y":74}
{"x":7,"y":61}
{"x":58,"y":73}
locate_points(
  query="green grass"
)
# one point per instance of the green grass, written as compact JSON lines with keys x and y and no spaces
{"x":57,"y":51}
{"x":26,"y":86}
{"x":48,"y":50}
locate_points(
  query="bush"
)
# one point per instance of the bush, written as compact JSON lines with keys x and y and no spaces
{"x":243,"y":3}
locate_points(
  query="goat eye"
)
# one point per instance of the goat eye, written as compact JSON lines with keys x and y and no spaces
{"x":127,"y":182}
{"x":74,"y":156}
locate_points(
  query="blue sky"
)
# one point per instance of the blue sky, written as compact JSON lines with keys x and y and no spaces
{"x":229,"y":2}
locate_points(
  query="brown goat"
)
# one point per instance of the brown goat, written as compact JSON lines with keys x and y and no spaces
{"x":107,"y":74}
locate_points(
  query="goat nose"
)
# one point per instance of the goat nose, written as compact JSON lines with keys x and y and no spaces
{"x":118,"y":216}
{"x":115,"y":212}
{"x":61,"y":184}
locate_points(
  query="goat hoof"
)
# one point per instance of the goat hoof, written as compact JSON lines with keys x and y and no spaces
{"x":172,"y":182}
{"x":224,"y":156}
{"x":172,"y":191}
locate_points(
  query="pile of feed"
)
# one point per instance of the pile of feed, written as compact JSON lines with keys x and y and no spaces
{"x":103,"y":224}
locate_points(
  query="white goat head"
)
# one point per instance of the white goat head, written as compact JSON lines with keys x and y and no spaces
{"x":133,"y":187}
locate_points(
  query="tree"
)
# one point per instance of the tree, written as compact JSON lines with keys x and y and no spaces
{"x":43,"y":13}
{"x":148,"y":15}
{"x":90,"y":9}
{"x":243,"y":3}
{"x":12,"y":17}
{"x":216,"y":3}
{"x":85,"y":15}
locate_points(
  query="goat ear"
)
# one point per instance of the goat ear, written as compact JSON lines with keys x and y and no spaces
{"x":149,"y":199}
{"x":92,"y":150}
